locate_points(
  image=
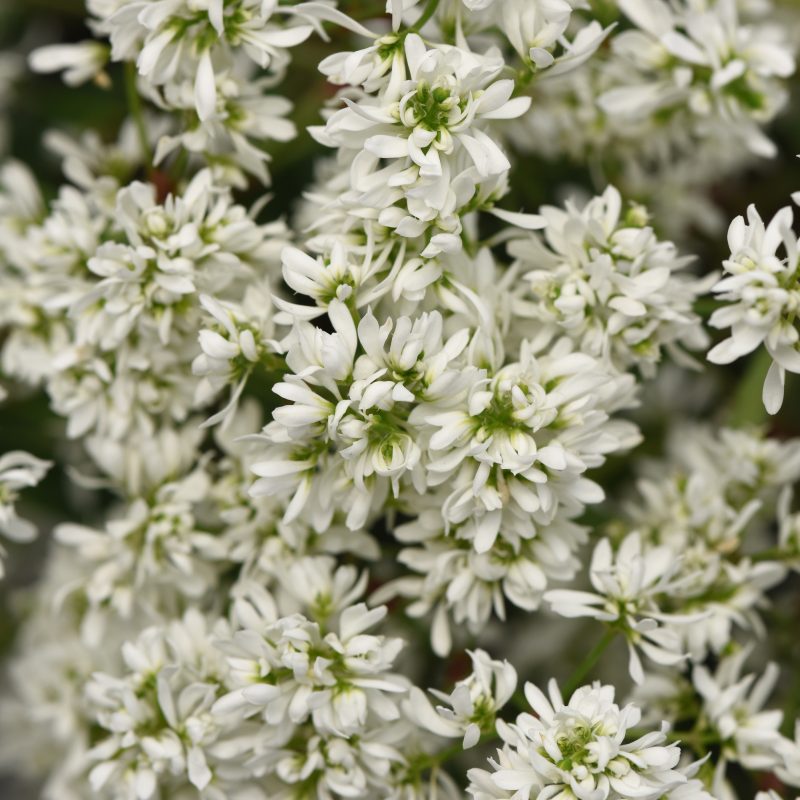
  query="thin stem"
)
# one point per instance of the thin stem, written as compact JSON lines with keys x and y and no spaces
{"x":427,"y":13}
{"x":524,"y":78}
{"x":180,"y":165}
{"x":772,"y":554}
{"x":135,"y":109}
{"x":584,"y":668}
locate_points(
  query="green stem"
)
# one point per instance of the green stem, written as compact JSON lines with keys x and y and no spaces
{"x":180,"y":165}
{"x":577,"y":678}
{"x":427,"y":13}
{"x":135,"y":109}
{"x":772,"y":554}
{"x":523,"y":78}
{"x":747,"y":407}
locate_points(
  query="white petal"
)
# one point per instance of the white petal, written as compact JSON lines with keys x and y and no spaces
{"x":772,"y":393}
{"x":205,"y":87}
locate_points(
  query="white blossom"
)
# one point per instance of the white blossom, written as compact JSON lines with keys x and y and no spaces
{"x":602,"y":277}
{"x":80,"y":62}
{"x":175,"y":40}
{"x":161,"y":731}
{"x":473,"y":704}
{"x":733,"y":705}
{"x":701,"y":58}
{"x":428,"y":126}
{"x":627,"y":585}
{"x":761,"y":292}
{"x":578,"y":749}
{"x":513,"y":442}
{"x":290,"y":671}
{"x":18,"y":470}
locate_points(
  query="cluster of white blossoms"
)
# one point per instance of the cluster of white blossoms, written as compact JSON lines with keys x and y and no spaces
{"x":104,"y":288}
{"x":209,"y":62}
{"x":761,"y":292}
{"x":18,"y":470}
{"x":334,"y":474}
{"x":729,"y":714}
{"x":605,"y":279}
{"x":690,"y":561}
{"x":679,"y":98}
{"x":579,"y":749}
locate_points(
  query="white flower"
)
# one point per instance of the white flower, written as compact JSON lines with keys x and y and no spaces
{"x":80,"y":62}
{"x":198,"y":237}
{"x":701,"y":62}
{"x":318,"y":587}
{"x":239,"y":341}
{"x":151,"y":550}
{"x":190,"y":39}
{"x":106,"y":292}
{"x":733,"y":706}
{"x":428,"y":129}
{"x":762,"y":294}
{"x":524,"y":438}
{"x":452,"y":579}
{"x":471,"y":708}
{"x":538,"y":31}
{"x":18,"y":470}
{"x":578,"y":749}
{"x":234,"y":135}
{"x":628,"y":584}
{"x":603,"y":278}
{"x":161,"y":731}
{"x":710,"y":504}
{"x":408,"y":360}
{"x":789,"y":750}
{"x":290,"y":671}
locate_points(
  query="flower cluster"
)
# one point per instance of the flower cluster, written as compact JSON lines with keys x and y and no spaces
{"x":681,"y":97}
{"x":18,"y":470}
{"x":761,"y":292}
{"x":106,"y":290}
{"x":210,"y":62}
{"x":578,"y":749}
{"x":602,"y":277}
{"x":691,"y":560}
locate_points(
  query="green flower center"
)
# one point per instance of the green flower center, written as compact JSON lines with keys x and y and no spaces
{"x":431,"y":106}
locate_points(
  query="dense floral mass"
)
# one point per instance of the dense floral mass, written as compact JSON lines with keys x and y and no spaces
{"x":359,"y":473}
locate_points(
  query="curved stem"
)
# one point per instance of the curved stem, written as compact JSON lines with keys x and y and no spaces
{"x":427,"y":13}
{"x":583,"y":669}
{"x":772,"y":554}
{"x":135,"y":109}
